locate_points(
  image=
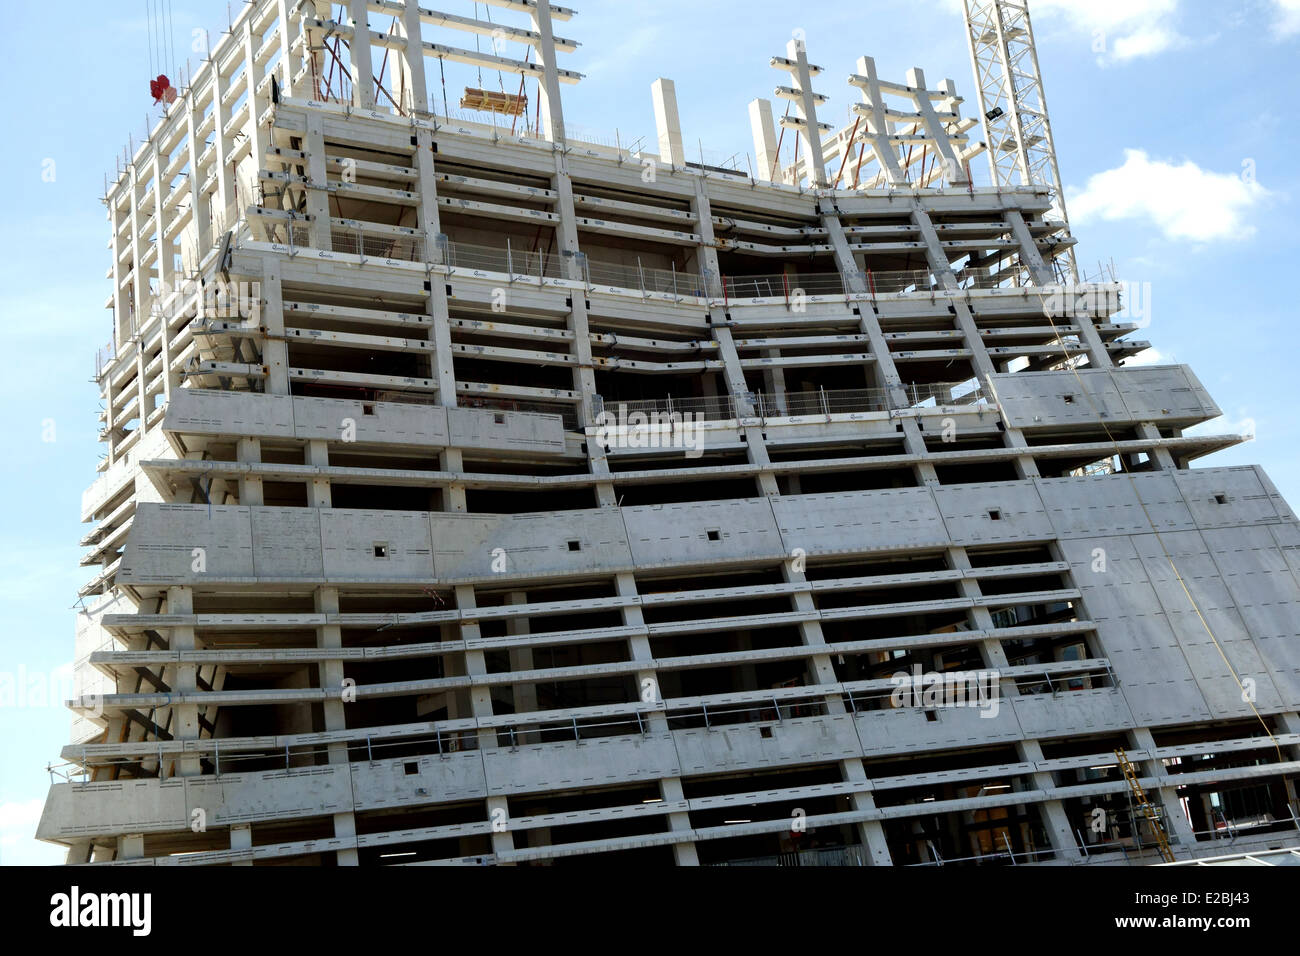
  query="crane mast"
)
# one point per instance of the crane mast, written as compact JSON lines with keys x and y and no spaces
{"x":1013,"y":106}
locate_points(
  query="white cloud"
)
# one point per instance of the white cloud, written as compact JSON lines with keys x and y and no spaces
{"x":1183,"y":201}
{"x":1146,"y":357}
{"x":1287,"y":17}
{"x":1147,"y":41}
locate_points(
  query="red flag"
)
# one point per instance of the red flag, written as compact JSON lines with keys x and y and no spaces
{"x":161,"y":89}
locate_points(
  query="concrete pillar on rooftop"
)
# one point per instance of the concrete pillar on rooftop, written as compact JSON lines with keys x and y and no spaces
{"x":668,"y":124}
{"x":549,"y":88}
{"x":765,"y":140}
{"x":412,"y":92}
{"x":363,"y":77}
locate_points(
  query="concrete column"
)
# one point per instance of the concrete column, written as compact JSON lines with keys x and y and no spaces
{"x":256,"y":104}
{"x":171,"y":377}
{"x":883,"y":372}
{"x":668,"y":123}
{"x":318,"y":230}
{"x":330,"y":636}
{"x":765,"y":154}
{"x":139,"y":276}
{"x":879,"y":126}
{"x":822,"y":672}
{"x":414,"y":93}
{"x":363,"y":82}
{"x":249,"y":450}
{"x":142,"y":391}
{"x":756,"y":449}
{"x":983,"y":366}
{"x":480,"y":702}
{"x":121,"y":309}
{"x":112,"y":432}
{"x":180,"y":600}
{"x":200,"y":221}
{"x":702,"y":210}
{"x":318,"y":488}
{"x":584,"y":376}
{"x":1177,"y":826}
{"x":130,"y":846}
{"x":165,"y":257}
{"x":438,"y":309}
{"x":345,"y":829}
{"x":1098,"y":357}
{"x":241,"y":838}
{"x":807,"y":106}
{"x":1043,"y":276}
{"x":935,"y":127}
{"x":221,"y":150}
{"x":288,"y":63}
{"x":1056,"y":821}
{"x":647,"y":681}
{"x":275,"y":350}
{"x":521,"y":659}
{"x":549,"y":87}
{"x":454,"y":499}
{"x":870,"y":832}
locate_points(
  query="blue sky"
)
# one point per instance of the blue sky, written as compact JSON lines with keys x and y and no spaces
{"x":1175,"y":128}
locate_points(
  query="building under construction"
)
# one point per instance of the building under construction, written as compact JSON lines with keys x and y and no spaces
{"x":476,"y":491}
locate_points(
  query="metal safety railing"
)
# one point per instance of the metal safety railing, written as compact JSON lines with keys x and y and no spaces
{"x":103,"y":356}
{"x":791,"y":286}
{"x":510,"y":261}
{"x":786,"y":704}
{"x":782,"y":285}
{"x":768,"y":405}
{"x":1008,"y":856}
{"x":371,"y":246}
{"x":647,"y":280}
{"x":821,"y":856}
{"x":521,"y":264}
